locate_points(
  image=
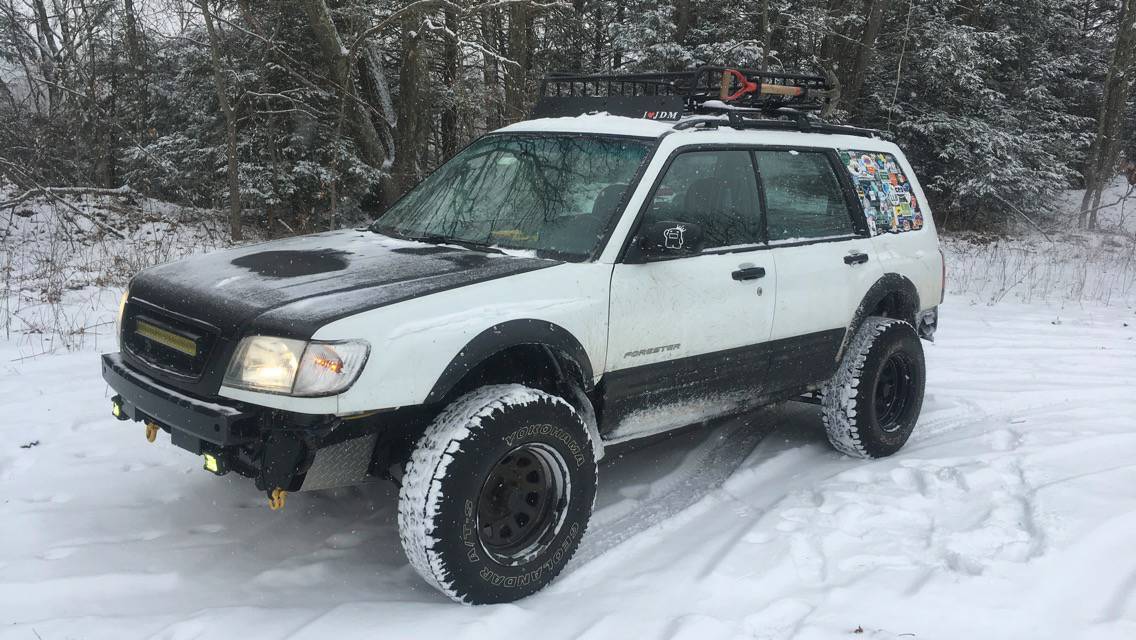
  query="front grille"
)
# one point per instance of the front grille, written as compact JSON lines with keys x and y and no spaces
{"x":165,"y":341}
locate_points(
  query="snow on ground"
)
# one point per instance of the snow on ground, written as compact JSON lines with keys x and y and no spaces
{"x":51,"y":251}
{"x":1010,"y":514}
{"x":1056,"y":265}
{"x":1117,"y":208}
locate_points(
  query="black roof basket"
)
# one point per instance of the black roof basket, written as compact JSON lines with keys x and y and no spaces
{"x":672,"y":95}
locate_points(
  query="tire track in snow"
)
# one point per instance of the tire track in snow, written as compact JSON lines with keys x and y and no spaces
{"x":704,"y":468}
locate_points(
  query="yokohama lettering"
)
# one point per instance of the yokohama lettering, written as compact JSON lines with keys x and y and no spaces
{"x":551,"y":431}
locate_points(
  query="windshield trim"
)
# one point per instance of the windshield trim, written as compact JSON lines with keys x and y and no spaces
{"x":652,"y":144}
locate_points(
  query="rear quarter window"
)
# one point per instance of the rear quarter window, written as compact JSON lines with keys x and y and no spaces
{"x":890,"y":204}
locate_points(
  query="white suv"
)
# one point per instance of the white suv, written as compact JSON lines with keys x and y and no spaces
{"x":559,"y":286}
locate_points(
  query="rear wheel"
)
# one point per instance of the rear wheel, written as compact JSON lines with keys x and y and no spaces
{"x":872,"y":403}
{"x":497,"y":494}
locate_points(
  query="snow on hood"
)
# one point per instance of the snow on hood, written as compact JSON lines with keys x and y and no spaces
{"x":293,"y":286}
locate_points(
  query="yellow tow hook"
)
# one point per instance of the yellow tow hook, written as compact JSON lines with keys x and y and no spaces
{"x":151,"y":431}
{"x":276,"y":499}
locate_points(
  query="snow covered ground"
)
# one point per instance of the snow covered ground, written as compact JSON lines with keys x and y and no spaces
{"x":1010,"y":514}
{"x":1061,"y":265}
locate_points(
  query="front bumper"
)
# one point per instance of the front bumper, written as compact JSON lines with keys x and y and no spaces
{"x":188,"y":419}
{"x":280,"y":451}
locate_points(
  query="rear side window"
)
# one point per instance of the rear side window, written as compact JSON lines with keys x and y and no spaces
{"x":889,"y":203}
{"x":803,"y":196}
{"x":716,"y":190}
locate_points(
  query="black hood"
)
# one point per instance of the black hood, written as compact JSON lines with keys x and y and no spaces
{"x":292,"y":287}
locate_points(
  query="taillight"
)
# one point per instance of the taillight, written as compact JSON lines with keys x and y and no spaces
{"x":943,"y":289}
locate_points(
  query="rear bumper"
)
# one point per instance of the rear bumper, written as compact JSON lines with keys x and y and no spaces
{"x":187,"y":418}
{"x":927,"y":322}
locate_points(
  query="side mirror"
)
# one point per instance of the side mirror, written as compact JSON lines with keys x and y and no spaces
{"x":668,"y":238}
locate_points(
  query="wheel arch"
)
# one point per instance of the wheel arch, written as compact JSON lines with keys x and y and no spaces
{"x":547,"y":339}
{"x":892,"y":296}
{"x":536,"y":353}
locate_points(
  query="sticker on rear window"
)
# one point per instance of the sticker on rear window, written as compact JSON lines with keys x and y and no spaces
{"x":889,"y":203}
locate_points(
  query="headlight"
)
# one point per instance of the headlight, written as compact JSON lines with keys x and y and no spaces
{"x":296,"y":367}
{"x":121,"y":311}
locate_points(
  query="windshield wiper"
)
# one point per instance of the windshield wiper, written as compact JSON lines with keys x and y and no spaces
{"x":435,"y":238}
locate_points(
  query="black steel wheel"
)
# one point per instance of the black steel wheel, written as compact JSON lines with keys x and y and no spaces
{"x":522,"y":503}
{"x":895,"y":391}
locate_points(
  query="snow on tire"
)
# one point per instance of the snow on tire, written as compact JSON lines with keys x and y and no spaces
{"x":871,"y":404}
{"x":497,"y":494}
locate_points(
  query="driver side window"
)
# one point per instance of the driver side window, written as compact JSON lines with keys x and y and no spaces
{"x":716,"y":190}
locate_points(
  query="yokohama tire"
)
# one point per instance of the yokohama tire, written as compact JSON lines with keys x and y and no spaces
{"x":497,"y":494}
{"x":871,"y":404}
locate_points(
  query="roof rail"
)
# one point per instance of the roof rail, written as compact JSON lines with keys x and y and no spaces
{"x":670,"y":95}
{"x":798,"y":121}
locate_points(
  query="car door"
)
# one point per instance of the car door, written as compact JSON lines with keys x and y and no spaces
{"x":684,"y":332}
{"x":822,"y":250}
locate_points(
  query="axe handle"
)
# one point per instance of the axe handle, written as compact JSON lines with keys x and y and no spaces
{"x":780,"y":90}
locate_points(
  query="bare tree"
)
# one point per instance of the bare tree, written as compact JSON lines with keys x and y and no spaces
{"x":1105,"y":153}
{"x":230,"y":124}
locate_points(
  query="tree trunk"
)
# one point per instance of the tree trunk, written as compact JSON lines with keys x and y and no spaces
{"x":683,"y":19}
{"x":515,"y":74}
{"x":376,"y":91}
{"x":336,"y":54}
{"x":492,"y":71}
{"x":451,"y":70}
{"x":832,"y":43}
{"x":1104,"y":156}
{"x":620,"y":17}
{"x":599,"y":31}
{"x":133,"y":43}
{"x":230,"y":126}
{"x":766,"y":35}
{"x":410,"y":135}
{"x":48,"y":62}
{"x":874,"y":13}
{"x":578,"y":35}
{"x":136,"y":79}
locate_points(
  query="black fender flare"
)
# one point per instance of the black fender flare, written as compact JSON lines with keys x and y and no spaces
{"x":889,"y":284}
{"x":513,"y":333}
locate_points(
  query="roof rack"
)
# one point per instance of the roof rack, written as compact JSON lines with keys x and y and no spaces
{"x":739,"y":93}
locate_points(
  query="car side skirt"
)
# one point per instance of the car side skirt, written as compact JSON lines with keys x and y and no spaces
{"x":649,"y":399}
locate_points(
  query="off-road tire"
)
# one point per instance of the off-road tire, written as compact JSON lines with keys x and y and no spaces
{"x":859,"y":422}
{"x":458,"y":460}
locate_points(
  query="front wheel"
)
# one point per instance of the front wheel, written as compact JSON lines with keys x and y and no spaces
{"x":497,"y":494}
{"x":871,"y":404}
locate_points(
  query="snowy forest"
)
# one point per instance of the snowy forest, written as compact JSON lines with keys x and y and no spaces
{"x":298,"y":115}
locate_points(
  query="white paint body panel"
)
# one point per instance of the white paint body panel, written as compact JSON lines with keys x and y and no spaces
{"x":816,"y":290}
{"x":692,"y":301}
{"x":413,"y":341}
{"x":691,"y":304}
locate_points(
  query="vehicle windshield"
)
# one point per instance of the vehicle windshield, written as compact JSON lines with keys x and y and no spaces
{"x":554,"y":195}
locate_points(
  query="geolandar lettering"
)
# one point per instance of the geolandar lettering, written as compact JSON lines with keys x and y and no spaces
{"x":533,"y":576}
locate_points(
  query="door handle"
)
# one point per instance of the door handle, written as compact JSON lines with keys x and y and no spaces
{"x":855,"y":258}
{"x":748,"y":273}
